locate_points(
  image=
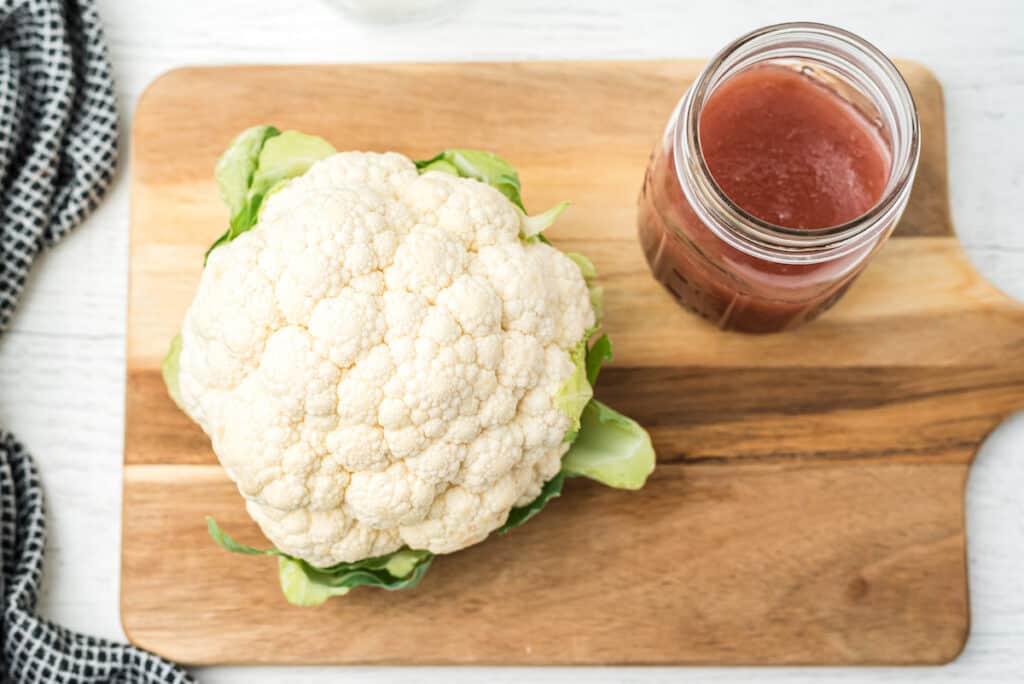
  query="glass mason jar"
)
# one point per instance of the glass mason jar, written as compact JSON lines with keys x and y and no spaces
{"x":739,"y":271}
{"x":386,"y":12}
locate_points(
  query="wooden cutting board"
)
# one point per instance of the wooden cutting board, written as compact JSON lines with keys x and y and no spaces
{"x":808,"y":505}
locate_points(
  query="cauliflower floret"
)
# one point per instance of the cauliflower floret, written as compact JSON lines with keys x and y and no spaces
{"x":376,"y":361}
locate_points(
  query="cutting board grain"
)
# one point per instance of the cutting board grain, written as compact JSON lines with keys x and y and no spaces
{"x":808,"y":503}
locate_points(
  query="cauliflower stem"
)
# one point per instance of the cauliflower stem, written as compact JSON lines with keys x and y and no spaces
{"x":603,"y":445}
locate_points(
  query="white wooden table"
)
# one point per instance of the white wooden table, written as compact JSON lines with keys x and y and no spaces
{"x":62,"y":364}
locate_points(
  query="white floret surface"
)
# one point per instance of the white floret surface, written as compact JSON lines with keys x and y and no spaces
{"x":376,"y":361}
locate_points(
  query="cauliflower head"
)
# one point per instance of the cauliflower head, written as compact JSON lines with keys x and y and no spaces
{"x":377,"y":360}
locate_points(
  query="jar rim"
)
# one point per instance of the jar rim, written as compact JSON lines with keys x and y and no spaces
{"x":755,"y":235}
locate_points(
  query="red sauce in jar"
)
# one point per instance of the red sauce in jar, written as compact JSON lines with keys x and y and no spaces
{"x":790,"y":151}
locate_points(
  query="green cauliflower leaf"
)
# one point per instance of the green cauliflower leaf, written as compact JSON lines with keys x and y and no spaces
{"x":491,"y":169}
{"x":517,"y":516}
{"x":306,"y":585}
{"x":256,"y":165}
{"x":481,"y":165}
{"x":169,"y":370}
{"x":610,"y":448}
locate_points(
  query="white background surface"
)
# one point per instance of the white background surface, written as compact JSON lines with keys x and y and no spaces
{"x":62,"y":364}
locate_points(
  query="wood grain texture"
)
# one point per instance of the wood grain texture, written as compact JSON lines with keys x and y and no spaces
{"x":808,"y":506}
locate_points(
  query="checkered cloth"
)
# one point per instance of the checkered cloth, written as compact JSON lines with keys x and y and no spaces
{"x":58,"y":149}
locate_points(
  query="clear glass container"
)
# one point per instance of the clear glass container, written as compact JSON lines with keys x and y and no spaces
{"x":392,"y":12}
{"x":739,"y":271}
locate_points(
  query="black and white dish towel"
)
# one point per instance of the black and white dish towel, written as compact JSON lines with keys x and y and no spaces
{"x":58,"y":149}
